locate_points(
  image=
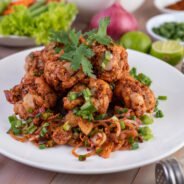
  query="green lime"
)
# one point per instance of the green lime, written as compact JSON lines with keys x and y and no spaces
{"x":136,"y":40}
{"x":170,"y":51}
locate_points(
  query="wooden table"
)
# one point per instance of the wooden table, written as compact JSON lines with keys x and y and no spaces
{"x":12,"y":172}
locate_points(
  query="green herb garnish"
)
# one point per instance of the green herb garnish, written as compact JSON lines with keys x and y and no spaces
{"x":31,"y":129}
{"x":66,"y":126}
{"x":162,"y":97}
{"x":140,"y":77}
{"x":16,"y":124}
{"x":146,"y":133}
{"x":100,"y":35}
{"x":42,"y":146}
{"x":100,"y":116}
{"x":144,"y":79}
{"x":73,"y":95}
{"x":135,"y":146}
{"x":122,"y":124}
{"x":159,"y":114}
{"x":99,"y":150}
{"x":82,"y":157}
{"x":106,"y":59}
{"x":146,"y":119}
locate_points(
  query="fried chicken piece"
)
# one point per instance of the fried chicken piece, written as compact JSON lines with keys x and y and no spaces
{"x":34,"y":64}
{"x":59,"y":75}
{"x":50,"y":52}
{"x":110,"y":62}
{"x":101,"y":95}
{"x":135,"y":95}
{"x":30,"y":95}
{"x":60,"y":136}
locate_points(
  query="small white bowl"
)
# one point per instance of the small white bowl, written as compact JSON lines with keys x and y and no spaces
{"x":160,"y":19}
{"x":161,"y":5}
{"x":17,"y":41}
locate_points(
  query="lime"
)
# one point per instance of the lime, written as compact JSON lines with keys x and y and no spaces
{"x":170,"y":51}
{"x":136,"y":40}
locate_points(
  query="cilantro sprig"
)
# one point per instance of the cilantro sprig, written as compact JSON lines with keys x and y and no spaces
{"x":100,"y":35}
{"x":77,"y":52}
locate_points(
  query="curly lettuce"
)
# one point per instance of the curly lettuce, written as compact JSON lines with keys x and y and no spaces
{"x":59,"y":16}
{"x":18,"y":23}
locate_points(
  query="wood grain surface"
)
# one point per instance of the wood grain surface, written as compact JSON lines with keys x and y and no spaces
{"x":12,"y":172}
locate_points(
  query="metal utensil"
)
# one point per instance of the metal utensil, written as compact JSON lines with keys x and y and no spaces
{"x":169,"y":172}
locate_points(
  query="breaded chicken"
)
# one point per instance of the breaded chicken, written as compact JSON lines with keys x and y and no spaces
{"x":60,"y":75}
{"x":135,"y":95}
{"x":30,"y":95}
{"x":110,"y":63}
{"x":101,"y":95}
{"x":34,"y":65}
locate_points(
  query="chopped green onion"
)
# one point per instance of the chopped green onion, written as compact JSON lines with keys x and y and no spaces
{"x":130,"y":140}
{"x":82,"y":157}
{"x":159,"y":114}
{"x":16,"y":124}
{"x":156,"y":105}
{"x":43,"y":131}
{"x":57,"y":50}
{"x":66,"y":126}
{"x":86,"y":143}
{"x":100,"y":116}
{"x":42,"y":146}
{"x":87,"y":94}
{"x":146,"y":133}
{"x":144,"y":79}
{"x":38,"y":115}
{"x":122,"y":124}
{"x":133,"y":72}
{"x":30,"y":110}
{"x":135,"y":146}
{"x":31,"y":129}
{"x":46,"y":115}
{"x":72,"y":96}
{"x":162,"y":97}
{"x":106,"y":59}
{"x":99,"y":150}
{"x":146,"y":119}
{"x":133,"y":117}
{"x":45,"y":124}
{"x":29,"y":120}
{"x":114,"y":118}
{"x":120,"y":111}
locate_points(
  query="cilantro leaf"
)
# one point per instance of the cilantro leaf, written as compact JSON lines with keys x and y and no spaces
{"x":100,"y":35}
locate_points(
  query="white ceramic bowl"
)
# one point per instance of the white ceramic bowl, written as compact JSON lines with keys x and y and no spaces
{"x":161,"y":4}
{"x":160,"y":19}
{"x":131,"y":5}
{"x":17,"y":41}
{"x":90,"y":7}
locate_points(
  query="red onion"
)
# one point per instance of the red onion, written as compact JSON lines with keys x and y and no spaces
{"x":121,"y":21}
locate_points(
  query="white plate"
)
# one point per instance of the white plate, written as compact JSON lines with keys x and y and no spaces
{"x":17,"y":41}
{"x":161,"y":4}
{"x":168,"y":131}
{"x":158,"y":20}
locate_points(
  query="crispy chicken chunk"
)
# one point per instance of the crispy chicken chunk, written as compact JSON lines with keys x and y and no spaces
{"x":135,"y":95}
{"x":34,"y":64}
{"x":30,"y":95}
{"x":110,"y":63}
{"x":101,"y":95}
{"x":51,"y":52}
{"x":60,"y":75}
{"x":60,"y":136}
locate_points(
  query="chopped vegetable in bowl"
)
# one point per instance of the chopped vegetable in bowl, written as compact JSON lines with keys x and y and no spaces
{"x":171,"y":30}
